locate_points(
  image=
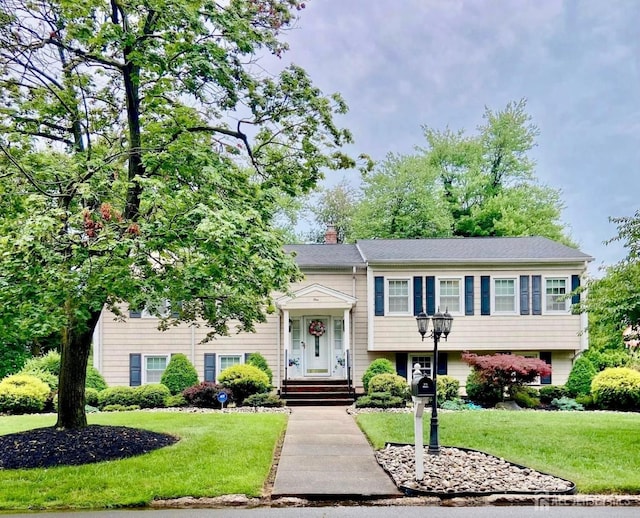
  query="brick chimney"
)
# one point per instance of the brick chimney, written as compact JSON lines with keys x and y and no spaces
{"x":331,"y":236}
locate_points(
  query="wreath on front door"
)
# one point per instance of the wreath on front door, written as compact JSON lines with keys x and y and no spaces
{"x":317,"y":328}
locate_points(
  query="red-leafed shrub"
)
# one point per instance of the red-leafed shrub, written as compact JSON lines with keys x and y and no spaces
{"x":506,"y":372}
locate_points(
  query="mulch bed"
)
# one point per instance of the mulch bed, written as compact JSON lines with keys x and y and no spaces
{"x":48,"y":447}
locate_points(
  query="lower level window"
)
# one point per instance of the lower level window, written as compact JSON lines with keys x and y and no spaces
{"x":154,"y":366}
{"x":228,"y":360}
{"x":425,"y":364}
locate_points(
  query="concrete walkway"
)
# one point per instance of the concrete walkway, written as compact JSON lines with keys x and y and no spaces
{"x":326,"y":456}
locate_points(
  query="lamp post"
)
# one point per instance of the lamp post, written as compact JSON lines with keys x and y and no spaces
{"x":441,"y":326}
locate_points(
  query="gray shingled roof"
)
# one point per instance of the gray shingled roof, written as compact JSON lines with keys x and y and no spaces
{"x":470,"y":249}
{"x":448,"y":250}
{"x":326,"y":255}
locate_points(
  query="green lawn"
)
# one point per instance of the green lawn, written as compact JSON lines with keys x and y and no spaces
{"x":599,"y":451}
{"x":218,"y":454}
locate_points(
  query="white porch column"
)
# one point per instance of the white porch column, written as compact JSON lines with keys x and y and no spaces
{"x":346,"y":335}
{"x":286,"y":335}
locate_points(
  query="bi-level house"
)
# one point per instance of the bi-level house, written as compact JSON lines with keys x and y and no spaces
{"x":358,"y":302}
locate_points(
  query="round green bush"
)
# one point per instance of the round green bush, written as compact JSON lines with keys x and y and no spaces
{"x":263,"y":400}
{"x":550,"y":392}
{"x":244,"y":380}
{"x":91,"y":397}
{"x":448,"y":388}
{"x":125,"y":396}
{"x":205,"y":395}
{"x":95,"y":380}
{"x":257,"y":360}
{"x":379,"y":366}
{"x":176,"y":401}
{"x":526,"y":397}
{"x":23,"y":393}
{"x":179,"y":374}
{"x":617,"y":388}
{"x":380,"y":400}
{"x":580,"y":377}
{"x":46,"y":376}
{"x":390,"y":383}
{"x":152,"y":395}
{"x":49,"y":362}
{"x":567,"y":404}
{"x":481,"y":392}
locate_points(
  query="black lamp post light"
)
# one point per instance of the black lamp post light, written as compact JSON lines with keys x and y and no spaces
{"x":441,"y":326}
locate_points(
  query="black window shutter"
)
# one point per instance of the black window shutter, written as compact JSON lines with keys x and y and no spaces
{"x":468,"y":295}
{"x":135,"y":370}
{"x":536,"y":294}
{"x":485,"y":295}
{"x":431,"y":295}
{"x":246,"y":357}
{"x":401,"y":364}
{"x":575,"y":284}
{"x":524,"y":294}
{"x":417,"y":295}
{"x":135,"y":314}
{"x":379,"y":296}
{"x":209,"y":366}
{"x":443,"y":360}
{"x":546,"y":357}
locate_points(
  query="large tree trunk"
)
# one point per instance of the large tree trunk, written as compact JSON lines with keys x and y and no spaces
{"x":76,"y":346}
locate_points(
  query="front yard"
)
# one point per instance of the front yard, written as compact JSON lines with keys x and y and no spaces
{"x":599,"y":451}
{"x":232,"y":453}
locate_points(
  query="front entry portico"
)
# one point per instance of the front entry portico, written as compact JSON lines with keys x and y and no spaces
{"x":316,"y":339}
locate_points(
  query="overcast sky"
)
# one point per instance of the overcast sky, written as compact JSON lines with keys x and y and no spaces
{"x":402,"y":64}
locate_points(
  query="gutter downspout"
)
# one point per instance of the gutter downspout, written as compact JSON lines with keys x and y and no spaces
{"x":193,"y":344}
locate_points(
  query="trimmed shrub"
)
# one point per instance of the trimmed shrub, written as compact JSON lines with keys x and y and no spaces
{"x":124,"y":396}
{"x":244,"y":380}
{"x":526,"y":397}
{"x":152,"y":395}
{"x":566,"y":403}
{"x":482,"y":392}
{"x":257,"y":360}
{"x":23,"y":393}
{"x":390,"y":383}
{"x":176,"y":401}
{"x":454,"y":404}
{"x":550,"y":392}
{"x":91,"y":397}
{"x":120,"y":408}
{"x":264,"y":399}
{"x":95,"y":380}
{"x":205,"y":394}
{"x":380,"y":400}
{"x":46,"y":376}
{"x":586,"y":401}
{"x":617,"y":389}
{"x":49,"y":362}
{"x":379,"y":366}
{"x":580,"y":377}
{"x":179,"y":374}
{"x":448,"y":388}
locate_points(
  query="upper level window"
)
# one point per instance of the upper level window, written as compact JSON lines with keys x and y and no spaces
{"x":398,"y":296}
{"x":556,"y":295}
{"x":449,"y":295}
{"x":504,"y":300}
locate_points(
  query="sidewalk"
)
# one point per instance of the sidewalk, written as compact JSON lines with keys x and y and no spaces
{"x":326,"y":456}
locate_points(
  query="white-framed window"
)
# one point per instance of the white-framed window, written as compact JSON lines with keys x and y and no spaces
{"x":505,"y":300}
{"x":425,"y":364}
{"x":398,"y":296}
{"x":449,"y":295}
{"x":154,"y":366}
{"x":228,"y":360}
{"x":555,"y":298}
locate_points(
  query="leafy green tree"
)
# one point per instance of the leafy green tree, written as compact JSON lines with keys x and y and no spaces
{"x":334,"y":206}
{"x":464,"y":185}
{"x":142,"y":155}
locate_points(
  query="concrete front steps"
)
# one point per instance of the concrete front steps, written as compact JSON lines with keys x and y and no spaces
{"x":317,"y":392}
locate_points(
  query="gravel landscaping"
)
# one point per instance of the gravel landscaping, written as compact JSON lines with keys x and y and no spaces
{"x":458,"y":472}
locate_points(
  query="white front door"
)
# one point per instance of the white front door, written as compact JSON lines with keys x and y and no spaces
{"x":317,"y":346}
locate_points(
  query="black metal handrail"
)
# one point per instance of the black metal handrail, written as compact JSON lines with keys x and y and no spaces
{"x":350,"y":385}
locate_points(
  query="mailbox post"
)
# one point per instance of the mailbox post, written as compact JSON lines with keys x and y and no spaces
{"x":422,"y":389}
